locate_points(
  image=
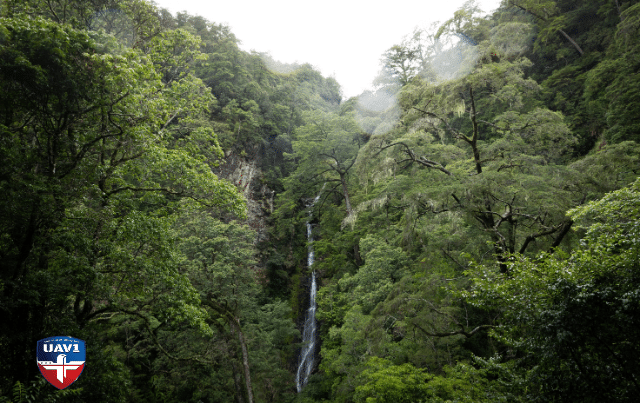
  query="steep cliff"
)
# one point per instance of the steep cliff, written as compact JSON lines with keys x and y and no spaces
{"x":243,"y":169}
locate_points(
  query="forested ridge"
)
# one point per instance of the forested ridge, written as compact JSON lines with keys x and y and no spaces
{"x":476,"y":234}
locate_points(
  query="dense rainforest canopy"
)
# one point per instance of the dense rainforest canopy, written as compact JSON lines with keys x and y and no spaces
{"x":476,"y":235}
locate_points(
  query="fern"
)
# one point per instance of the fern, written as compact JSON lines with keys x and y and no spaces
{"x":19,"y":392}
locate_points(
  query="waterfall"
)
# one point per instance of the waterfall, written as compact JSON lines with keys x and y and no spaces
{"x":309,"y":332}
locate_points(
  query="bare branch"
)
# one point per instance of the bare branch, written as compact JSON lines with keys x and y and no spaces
{"x":574,"y":43}
{"x":533,"y":237}
{"x":565,"y":229}
{"x":509,"y":166}
{"x":456,"y":133}
{"x":136,"y":189}
{"x":452,"y":333}
{"x":420,"y":160}
{"x":447,"y":254}
{"x":152,"y":333}
{"x":462,"y":330}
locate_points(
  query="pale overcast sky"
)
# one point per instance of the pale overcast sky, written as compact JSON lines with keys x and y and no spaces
{"x":342,"y":38}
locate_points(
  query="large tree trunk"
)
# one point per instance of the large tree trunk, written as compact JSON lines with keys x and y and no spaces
{"x":619,"y":13}
{"x":570,"y":39}
{"x":234,"y":324}
{"x":574,"y":43}
{"x":237,"y":382}
{"x":245,"y":359}
{"x":474,"y":140}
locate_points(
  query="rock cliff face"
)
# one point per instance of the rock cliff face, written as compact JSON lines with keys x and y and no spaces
{"x":244,"y":171}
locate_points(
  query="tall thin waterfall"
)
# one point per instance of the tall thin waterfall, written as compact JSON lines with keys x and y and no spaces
{"x":310,"y":325}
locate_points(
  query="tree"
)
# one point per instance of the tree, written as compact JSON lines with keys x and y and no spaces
{"x":572,"y":320}
{"x":219,"y":266}
{"x":492,"y":170}
{"x":436,"y":53}
{"x":399,"y":65}
{"x":383,"y":382}
{"x":92,"y":178}
{"x":132,"y":22}
{"x":325,"y":148}
{"x":374,"y":280}
{"x":547,"y":12}
{"x":611,"y":88}
{"x":466,"y":23}
{"x":476,"y":170}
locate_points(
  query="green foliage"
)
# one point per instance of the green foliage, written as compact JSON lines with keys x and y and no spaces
{"x":400,"y":65}
{"x":273,"y":334}
{"x":490,"y":170}
{"x":115,"y":115}
{"x":382,"y":382}
{"x":513,"y":38}
{"x":477,"y":169}
{"x":612,"y":86}
{"x":573,"y":318}
{"x":327,"y":143}
{"x":374,"y":280}
{"x":219,"y":260}
{"x":93,"y":181}
{"x":37,"y":391}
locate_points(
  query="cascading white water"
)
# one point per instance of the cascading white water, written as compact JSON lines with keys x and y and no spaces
{"x":309,"y":332}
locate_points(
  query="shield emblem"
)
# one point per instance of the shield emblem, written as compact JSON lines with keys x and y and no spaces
{"x":61,"y":359}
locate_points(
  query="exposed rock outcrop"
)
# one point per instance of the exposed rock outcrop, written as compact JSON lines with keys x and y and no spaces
{"x":244,"y":171}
